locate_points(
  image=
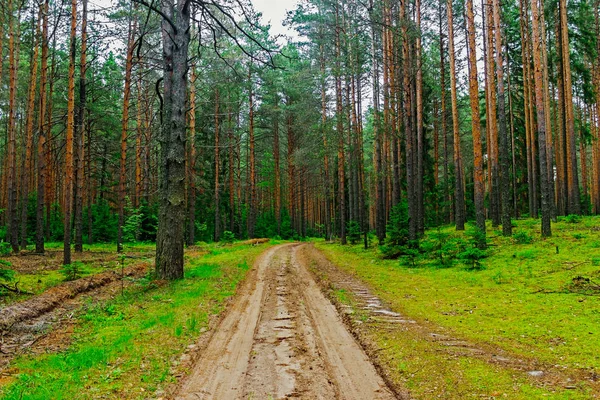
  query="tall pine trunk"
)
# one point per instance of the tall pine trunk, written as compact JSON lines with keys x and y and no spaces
{"x":459,"y":183}
{"x":171,"y":179}
{"x":479,"y":187}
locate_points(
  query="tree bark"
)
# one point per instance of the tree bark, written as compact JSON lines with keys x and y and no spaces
{"x":479,"y":186}
{"x":43,"y":129}
{"x":171,"y":182}
{"x":29,"y":135}
{"x":125,"y":133}
{"x":459,"y":194}
{"x":80,"y":131}
{"x":502,"y":131}
{"x":538,"y":42}
{"x":68,"y":189}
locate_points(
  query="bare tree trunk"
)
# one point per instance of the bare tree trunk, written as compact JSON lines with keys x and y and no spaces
{"x":80,"y":129}
{"x":420,"y":131}
{"x":253,"y":199}
{"x":217,"y":233}
{"x":277,"y":180}
{"x":459,"y":184}
{"x":29,"y":136}
{"x":171,"y":216}
{"x":502,"y":131}
{"x":68,"y":191}
{"x":538,"y":42}
{"x":43,"y":128}
{"x":192,"y":162}
{"x":574,"y":201}
{"x":475,"y":125}
{"x":340,"y":133}
{"x":12,"y":219}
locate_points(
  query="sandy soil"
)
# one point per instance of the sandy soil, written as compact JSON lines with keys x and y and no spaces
{"x":282,"y":338}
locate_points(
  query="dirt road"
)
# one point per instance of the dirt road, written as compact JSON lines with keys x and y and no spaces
{"x":282,"y":338}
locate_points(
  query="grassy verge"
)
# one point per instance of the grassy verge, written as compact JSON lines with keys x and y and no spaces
{"x":125,"y":348}
{"x":530,"y":299}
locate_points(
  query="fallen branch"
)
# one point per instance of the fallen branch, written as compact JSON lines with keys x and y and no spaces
{"x":14,"y":289}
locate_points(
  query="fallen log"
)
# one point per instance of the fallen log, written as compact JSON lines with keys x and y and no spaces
{"x":53,"y":297}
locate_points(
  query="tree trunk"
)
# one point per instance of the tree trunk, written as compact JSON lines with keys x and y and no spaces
{"x":68,"y":190}
{"x":43,"y":128}
{"x":171,"y":216}
{"x":192,"y":162}
{"x":125,"y":132}
{"x":479,"y":186}
{"x":80,"y":129}
{"x":217,"y":233}
{"x":538,"y":42}
{"x":574,"y":202}
{"x":277,"y":178}
{"x":29,"y":136}
{"x":459,"y":184}
{"x":502,"y":131}
{"x":253,"y":199}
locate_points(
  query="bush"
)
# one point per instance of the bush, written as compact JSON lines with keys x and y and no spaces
{"x":472,"y":256}
{"x":397,"y":241}
{"x":353,"y":232}
{"x":228,"y":237}
{"x":132,"y":227}
{"x":444,"y":248}
{"x":573,"y":219}
{"x":72,"y":271}
{"x":6,"y":274}
{"x":5,"y":249}
{"x":522,"y":237}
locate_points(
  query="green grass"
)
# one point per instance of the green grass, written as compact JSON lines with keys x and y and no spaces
{"x":124,"y":348}
{"x":521,"y":300}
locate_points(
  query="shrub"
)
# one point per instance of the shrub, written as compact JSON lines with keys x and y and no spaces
{"x":6,"y":274}
{"x":5,"y":249}
{"x":573,"y":219}
{"x":522,"y":237}
{"x":354,"y":232}
{"x":132,"y":228}
{"x":472,"y":256}
{"x":228,"y":237}
{"x":397,"y":232}
{"x":444,"y":249}
{"x":72,"y":271}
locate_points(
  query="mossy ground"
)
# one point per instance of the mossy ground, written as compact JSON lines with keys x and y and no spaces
{"x":124,"y":348}
{"x":535,"y":300}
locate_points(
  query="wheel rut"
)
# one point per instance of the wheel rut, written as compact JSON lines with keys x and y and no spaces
{"x":283,"y":339}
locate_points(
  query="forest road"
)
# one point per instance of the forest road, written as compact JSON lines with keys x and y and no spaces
{"x":282,"y":339}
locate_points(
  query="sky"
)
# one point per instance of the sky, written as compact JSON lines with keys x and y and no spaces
{"x":274,"y":11}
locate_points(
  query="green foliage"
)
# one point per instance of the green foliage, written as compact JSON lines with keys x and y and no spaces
{"x":72,"y":271}
{"x":443,"y":248}
{"x":522,"y":237}
{"x":57,"y":228}
{"x":573,"y":219}
{"x":228,"y":237}
{"x":132,"y":228}
{"x":5,"y":248}
{"x":6,"y":274}
{"x":397,"y":232}
{"x":105,"y":222}
{"x":472,"y":256}
{"x":353,"y":232}
{"x":410,"y":256}
{"x":579,"y":236}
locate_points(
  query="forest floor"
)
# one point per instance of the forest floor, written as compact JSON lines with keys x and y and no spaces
{"x":118,"y":338}
{"x":524,"y":325}
{"x":261,"y":319}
